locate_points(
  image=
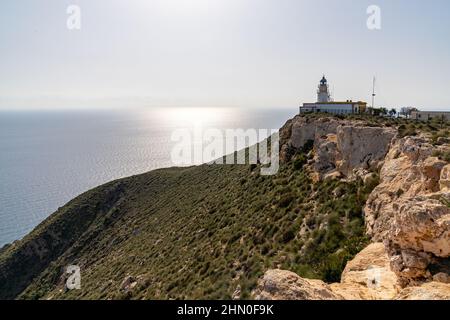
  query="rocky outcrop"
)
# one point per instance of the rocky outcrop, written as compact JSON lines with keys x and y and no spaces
{"x":427,"y":291}
{"x":341,"y":146}
{"x":444,"y":181}
{"x":285,"y":285}
{"x":362,"y":147}
{"x":297,"y":132}
{"x":407,"y":215}
{"x":325,"y":154}
{"x":407,"y":210}
{"x":367,"y":277}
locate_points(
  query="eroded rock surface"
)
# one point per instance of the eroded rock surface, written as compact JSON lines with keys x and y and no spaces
{"x":407,"y":210}
{"x":340,"y":146}
{"x":279,"y":284}
{"x":427,"y":291}
{"x":407,"y":215}
{"x":362,"y":147}
{"x":367,"y":277}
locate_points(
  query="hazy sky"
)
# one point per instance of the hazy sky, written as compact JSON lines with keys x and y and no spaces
{"x":245,"y":53}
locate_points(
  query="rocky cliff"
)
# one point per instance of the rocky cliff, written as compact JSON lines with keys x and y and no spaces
{"x":358,"y":210}
{"x":407,"y":215}
{"x":341,"y":147}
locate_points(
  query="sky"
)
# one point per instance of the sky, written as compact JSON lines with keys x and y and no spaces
{"x":227,"y":53}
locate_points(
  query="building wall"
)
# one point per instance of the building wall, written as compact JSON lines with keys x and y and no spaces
{"x":335,"y":108}
{"x":428,"y":115}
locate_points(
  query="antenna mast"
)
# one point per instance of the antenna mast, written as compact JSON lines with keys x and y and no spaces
{"x":373,"y":93}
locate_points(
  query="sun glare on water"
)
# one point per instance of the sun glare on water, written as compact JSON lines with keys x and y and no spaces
{"x":189,"y":117}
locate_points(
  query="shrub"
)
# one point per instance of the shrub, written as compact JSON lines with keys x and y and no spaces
{"x":299,"y":162}
{"x":333,"y":267}
{"x":288,"y":235}
{"x":286,"y":200}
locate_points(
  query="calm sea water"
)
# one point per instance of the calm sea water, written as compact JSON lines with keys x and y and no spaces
{"x":48,"y":158}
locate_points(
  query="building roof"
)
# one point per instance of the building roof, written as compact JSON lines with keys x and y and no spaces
{"x":336,"y":102}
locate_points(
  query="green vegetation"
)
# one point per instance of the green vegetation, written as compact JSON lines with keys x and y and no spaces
{"x":190,"y":233}
{"x":445,"y":202}
{"x":443,"y":155}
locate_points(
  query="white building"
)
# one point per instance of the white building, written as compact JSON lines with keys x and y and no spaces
{"x":325,"y":104}
{"x":428,"y":115}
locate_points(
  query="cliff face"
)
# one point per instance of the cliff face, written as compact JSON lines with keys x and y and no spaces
{"x":341,"y":147}
{"x":408,"y":211}
{"x":407,"y":215}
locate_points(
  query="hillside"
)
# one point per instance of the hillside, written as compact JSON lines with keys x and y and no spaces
{"x":210,"y":231}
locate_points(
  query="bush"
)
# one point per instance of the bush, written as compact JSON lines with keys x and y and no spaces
{"x":299,"y":162}
{"x":333,"y":267}
{"x":286,"y":200}
{"x":287,"y":236}
{"x":442,"y":155}
{"x":407,"y":131}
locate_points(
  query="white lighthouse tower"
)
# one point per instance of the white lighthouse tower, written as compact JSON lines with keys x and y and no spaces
{"x":323,"y":95}
{"x":325,"y":103}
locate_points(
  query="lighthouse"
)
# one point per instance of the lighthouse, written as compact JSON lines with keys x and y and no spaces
{"x":323,"y":95}
{"x":326,"y":104}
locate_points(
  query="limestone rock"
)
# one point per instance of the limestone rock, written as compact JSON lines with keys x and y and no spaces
{"x":128,"y":283}
{"x":366,"y":277}
{"x":406,"y":211}
{"x":333,"y":175}
{"x":362,"y":147}
{"x":325,"y":154}
{"x":427,"y":291}
{"x":285,"y":285}
{"x":237,"y":293}
{"x":304,"y":129}
{"x":422,"y":225}
{"x":344,"y":145}
{"x":298,"y":131}
{"x":444,"y":181}
{"x":432,"y":168}
{"x":441,"y":277}
{"x":371,"y":269}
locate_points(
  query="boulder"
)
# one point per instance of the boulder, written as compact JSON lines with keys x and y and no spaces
{"x":285,"y":285}
{"x":441,"y":277}
{"x":128,"y":283}
{"x":370,"y":269}
{"x":431,"y":169}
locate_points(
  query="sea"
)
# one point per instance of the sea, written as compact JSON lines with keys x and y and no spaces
{"x":49,"y":157}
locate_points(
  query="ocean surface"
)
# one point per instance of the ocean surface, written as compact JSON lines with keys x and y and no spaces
{"x":49,"y":157}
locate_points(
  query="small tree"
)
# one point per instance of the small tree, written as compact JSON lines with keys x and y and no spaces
{"x":383,"y":111}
